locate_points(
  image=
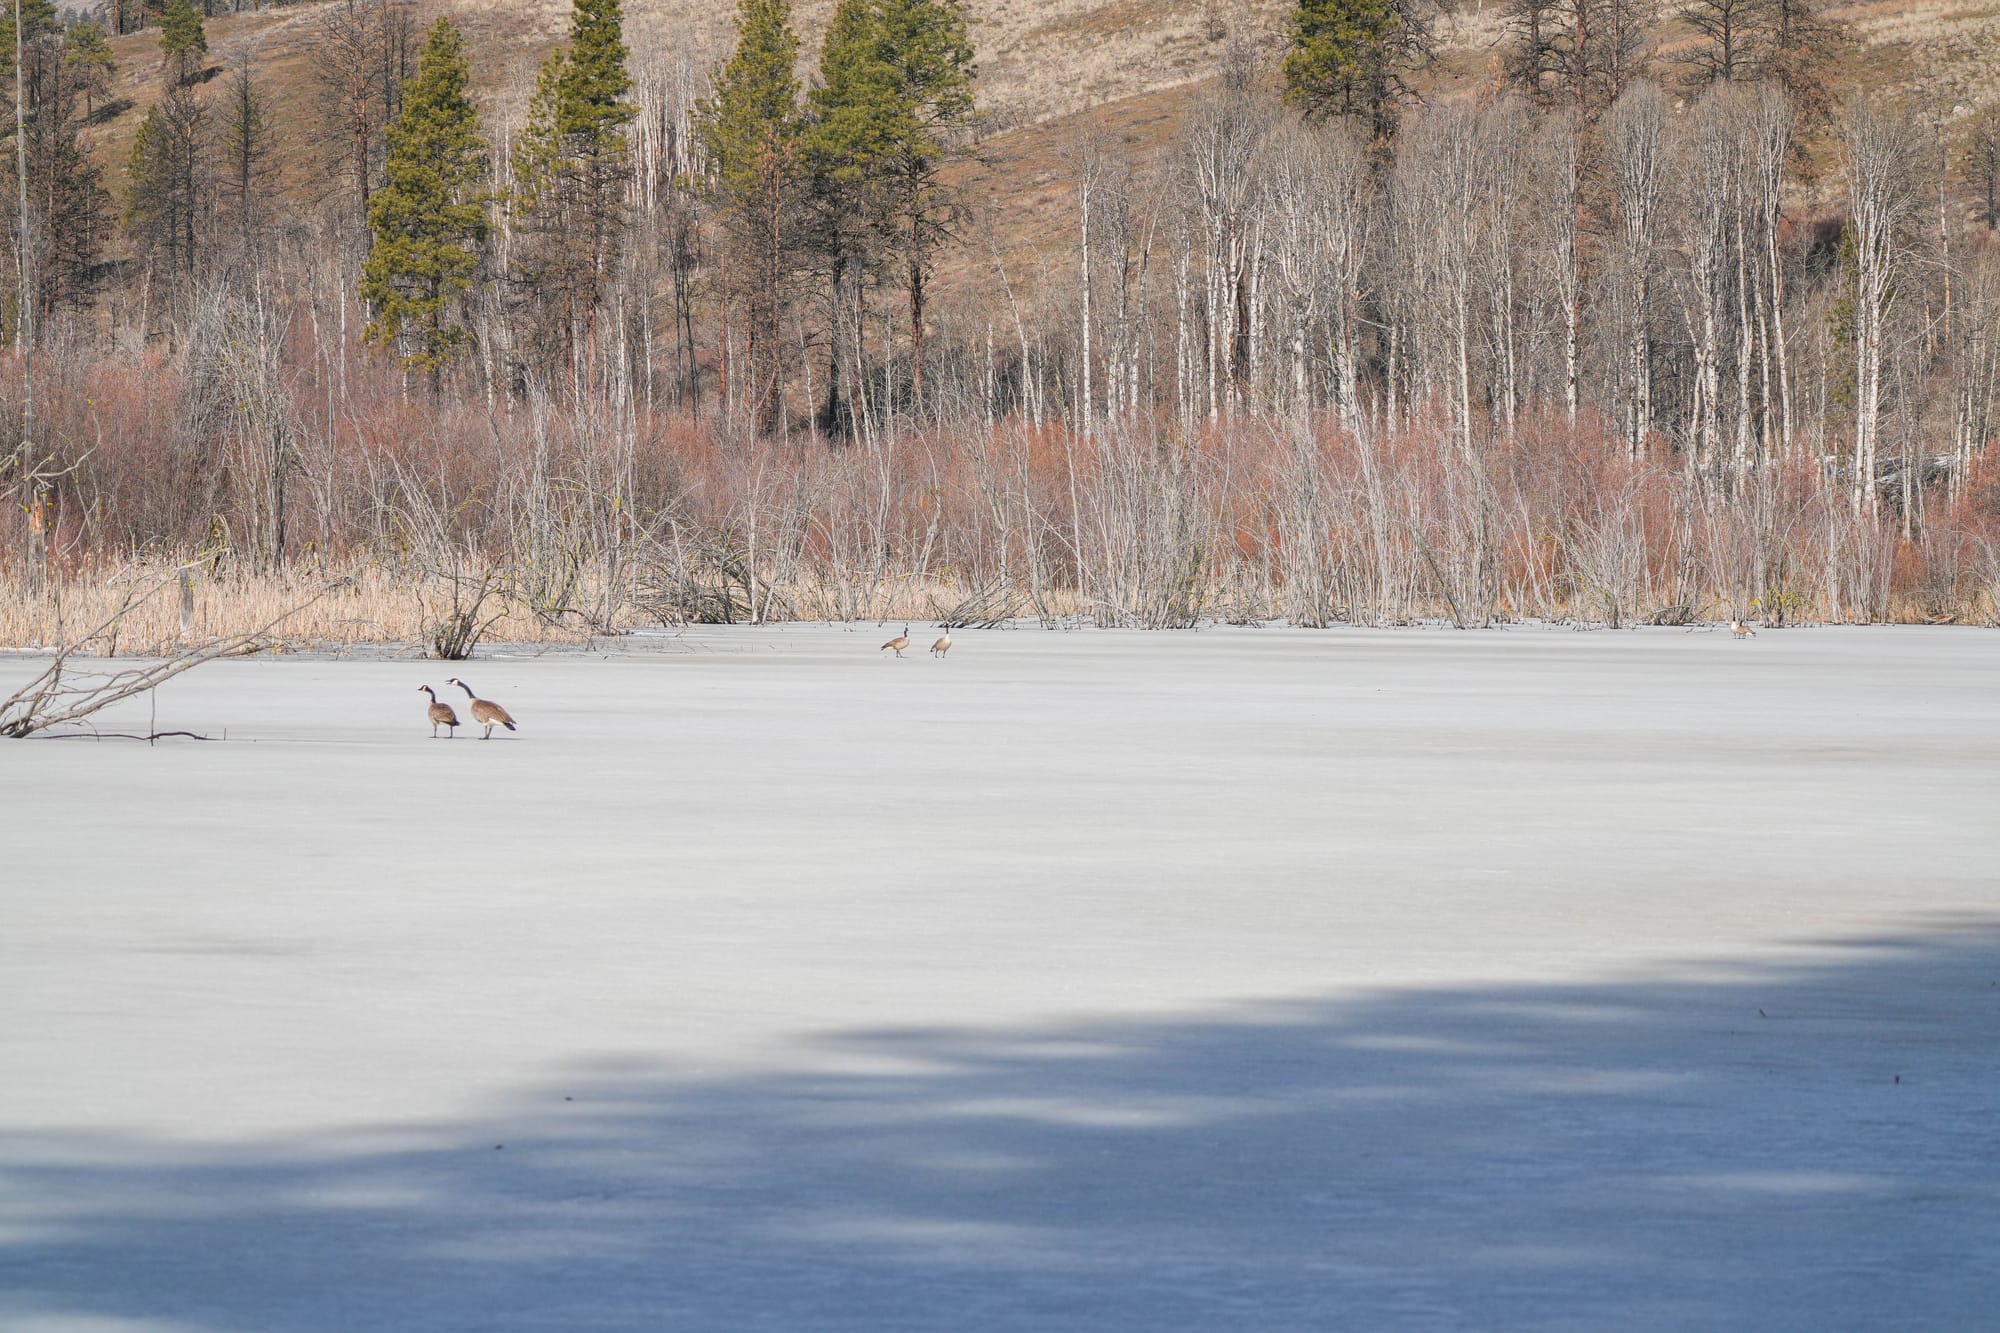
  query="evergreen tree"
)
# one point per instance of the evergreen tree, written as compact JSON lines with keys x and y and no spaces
{"x":750,"y":130}
{"x":429,"y":217}
{"x":38,"y":19}
{"x":853,"y":111}
{"x":90,"y":63}
{"x":73,"y":212}
{"x":538,"y":159}
{"x":183,"y":40}
{"x":754,"y":113}
{"x":890,"y":118}
{"x":845,"y":147}
{"x":67,"y":204}
{"x":546,"y":270}
{"x":168,"y":172}
{"x":930,"y":55}
{"x":593,"y":111}
{"x":1350,"y":58}
{"x":570,"y":169}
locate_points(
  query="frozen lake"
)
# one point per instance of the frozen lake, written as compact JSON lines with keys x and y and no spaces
{"x":1242,"y":979}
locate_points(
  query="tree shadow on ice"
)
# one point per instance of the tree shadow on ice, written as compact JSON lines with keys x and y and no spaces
{"x":1769,"y":1146}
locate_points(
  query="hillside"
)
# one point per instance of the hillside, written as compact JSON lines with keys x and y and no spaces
{"x":1052,"y":72}
{"x":1038,"y":59}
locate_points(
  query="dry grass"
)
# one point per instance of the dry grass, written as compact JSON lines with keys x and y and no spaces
{"x":371,"y":605}
{"x":1038,"y":59}
{"x":1945,"y":53}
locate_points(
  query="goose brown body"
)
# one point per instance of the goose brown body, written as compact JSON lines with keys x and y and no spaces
{"x":942,"y":646}
{"x":485,"y":712}
{"x":1741,"y":630}
{"x":899,"y":643}
{"x":441,"y":715}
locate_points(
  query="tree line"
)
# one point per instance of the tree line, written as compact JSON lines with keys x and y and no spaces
{"x":1691,"y":251}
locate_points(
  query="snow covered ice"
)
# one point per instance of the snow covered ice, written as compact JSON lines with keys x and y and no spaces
{"x":1241,"y":979}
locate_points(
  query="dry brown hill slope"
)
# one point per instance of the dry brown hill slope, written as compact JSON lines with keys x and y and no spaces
{"x":1050,"y":72}
{"x":1037,"y":58}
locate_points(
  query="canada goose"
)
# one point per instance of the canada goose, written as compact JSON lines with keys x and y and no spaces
{"x":942,"y":646}
{"x":899,"y":643}
{"x":441,"y":715}
{"x":1741,"y":630}
{"x":485,"y":712}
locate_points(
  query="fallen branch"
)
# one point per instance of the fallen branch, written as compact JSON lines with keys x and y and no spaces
{"x":61,"y":694}
{"x":95,"y":735}
{"x":985,"y":607}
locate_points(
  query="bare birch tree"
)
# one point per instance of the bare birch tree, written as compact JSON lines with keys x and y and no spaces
{"x":1880,"y":151}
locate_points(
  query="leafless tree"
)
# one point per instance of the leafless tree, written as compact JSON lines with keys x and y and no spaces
{"x":1639,"y":165}
{"x":1216,"y":152}
{"x":1884,"y":195}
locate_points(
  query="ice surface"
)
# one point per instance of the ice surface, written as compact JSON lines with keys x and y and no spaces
{"x":1242,"y":979}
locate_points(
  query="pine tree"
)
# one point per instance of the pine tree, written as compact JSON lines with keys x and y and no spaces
{"x":591,"y":116}
{"x":750,"y":130}
{"x":169,"y":179}
{"x":754,"y":113}
{"x":853,"y":111}
{"x":547,"y":271}
{"x":570,"y":169}
{"x":67,"y":203}
{"x":898,"y":96}
{"x":595,"y":82}
{"x":538,"y":157}
{"x":429,"y":217}
{"x":183,"y":40}
{"x":1349,"y":58}
{"x":38,"y":19}
{"x":73,"y":209}
{"x":90,"y":63}
{"x":843,"y":146}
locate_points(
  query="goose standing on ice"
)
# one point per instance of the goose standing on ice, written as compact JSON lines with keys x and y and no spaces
{"x":441,"y":715}
{"x":1741,"y":630}
{"x":899,"y":643}
{"x":942,"y":646}
{"x":484,"y":711}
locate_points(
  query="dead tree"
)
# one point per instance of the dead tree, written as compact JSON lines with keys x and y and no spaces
{"x":1883,"y":195}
